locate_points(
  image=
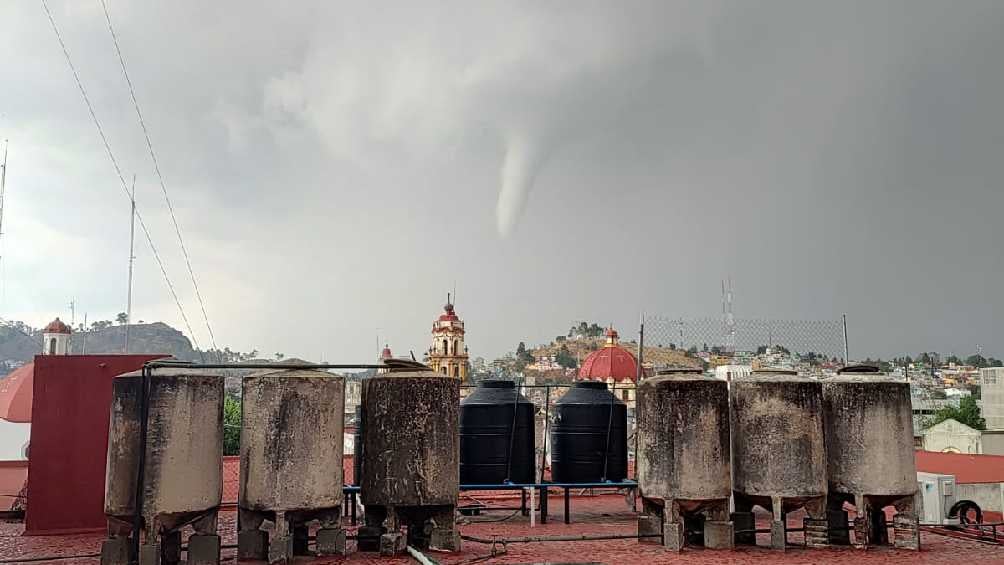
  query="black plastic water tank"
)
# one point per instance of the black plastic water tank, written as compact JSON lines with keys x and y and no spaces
{"x":589,"y":422}
{"x":495,"y":444}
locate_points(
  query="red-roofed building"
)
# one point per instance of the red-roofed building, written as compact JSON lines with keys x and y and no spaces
{"x":979,"y":478}
{"x":611,"y":364}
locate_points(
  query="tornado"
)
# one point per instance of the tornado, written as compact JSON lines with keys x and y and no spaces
{"x":524,"y":155}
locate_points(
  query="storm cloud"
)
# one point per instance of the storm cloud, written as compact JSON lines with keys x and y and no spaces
{"x":337,"y":168}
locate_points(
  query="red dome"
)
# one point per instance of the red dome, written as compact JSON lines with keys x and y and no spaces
{"x":56,"y":327}
{"x":612,"y":361}
{"x":386,"y":354}
{"x":449,"y":315}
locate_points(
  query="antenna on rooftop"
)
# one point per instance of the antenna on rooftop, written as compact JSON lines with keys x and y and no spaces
{"x":3,"y":186}
{"x":132,"y":257}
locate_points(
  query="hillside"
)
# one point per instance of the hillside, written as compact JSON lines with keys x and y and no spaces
{"x":581,"y":347}
{"x":157,"y":337}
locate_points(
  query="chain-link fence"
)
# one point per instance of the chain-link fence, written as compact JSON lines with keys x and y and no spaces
{"x":819,"y":338}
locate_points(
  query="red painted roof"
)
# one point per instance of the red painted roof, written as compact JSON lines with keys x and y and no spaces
{"x":56,"y":327}
{"x":966,"y":468}
{"x":448,"y":314}
{"x":612,"y":361}
{"x":386,"y":354}
{"x":16,"y":394}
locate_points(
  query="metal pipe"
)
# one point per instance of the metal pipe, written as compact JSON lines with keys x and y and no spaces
{"x":144,"y":406}
{"x":534,"y":539}
{"x":420,"y":557}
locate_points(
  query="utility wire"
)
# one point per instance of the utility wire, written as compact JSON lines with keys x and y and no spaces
{"x":156,"y":167}
{"x":118,"y":171}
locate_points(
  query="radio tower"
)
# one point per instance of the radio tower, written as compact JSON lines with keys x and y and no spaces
{"x":728,"y":318}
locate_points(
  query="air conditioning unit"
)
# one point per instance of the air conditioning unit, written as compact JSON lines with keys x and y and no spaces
{"x":935,"y":497}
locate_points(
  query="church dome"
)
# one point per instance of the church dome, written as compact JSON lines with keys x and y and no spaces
{"x":57,"y":327}
{"x":448,"y":314}
{"x":610,"y":362}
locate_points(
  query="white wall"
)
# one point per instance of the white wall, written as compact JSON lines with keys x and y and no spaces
{"x":989,"y":496}
{"x":13,"y":440}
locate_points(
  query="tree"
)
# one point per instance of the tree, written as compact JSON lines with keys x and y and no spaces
{"x":976,"y":360}
{"x":231,"y":425}
{"x":121,"y":318}
{"x":279,"y":356}
{"x":565,"y":358}
{"x":523,"y":357}
{"x":968,"y":413}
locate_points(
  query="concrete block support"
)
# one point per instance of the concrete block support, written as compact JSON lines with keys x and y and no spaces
{"x":115,"y":551}
{"x":204,"y":549}
{"x":252,"y":544}
{"x":149,"y":554}
{"x":392,"y":543}
{"x":906,"y":531}
{"x":280,"y":549}
{"x":673,"y":536}
{"x":719,"y":535}
{"x":649,"y":525}
{"x":816,"y":532}
{"x":331,"y":541}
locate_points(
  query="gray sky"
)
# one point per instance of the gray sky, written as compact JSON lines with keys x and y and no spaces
{"x":336,"y":168}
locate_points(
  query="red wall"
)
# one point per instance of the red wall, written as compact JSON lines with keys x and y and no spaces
{"x":69,"y":439}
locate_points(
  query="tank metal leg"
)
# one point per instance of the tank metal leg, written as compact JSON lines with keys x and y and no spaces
{"x":778,"y":533}
{"x":862,"y":525}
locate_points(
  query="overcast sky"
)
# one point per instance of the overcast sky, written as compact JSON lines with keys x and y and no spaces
{"x":337,"y":168}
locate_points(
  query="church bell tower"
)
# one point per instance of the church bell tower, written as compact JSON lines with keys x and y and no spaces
{"x":448,"y":354}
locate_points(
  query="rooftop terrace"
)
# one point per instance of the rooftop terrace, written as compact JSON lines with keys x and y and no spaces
{"x":599,"y":514}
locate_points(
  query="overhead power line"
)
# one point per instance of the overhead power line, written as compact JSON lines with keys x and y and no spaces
{"x":118,"y":171}
{"x":156,"y":168}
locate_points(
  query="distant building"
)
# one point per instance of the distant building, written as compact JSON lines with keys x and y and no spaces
{"x":950,"y":436}
{"x":730,"y":372}
{"x":448,"y":354}
{"x":992,"y":394}
{"x":56,"y":338}
{"x":613,"y":365}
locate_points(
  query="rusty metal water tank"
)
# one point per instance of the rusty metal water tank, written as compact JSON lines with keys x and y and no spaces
{"x":291,"y":440}
{"x":777,"y":436}
{"x":410,"y":439}
{"x":496,"y":435}
{"x":683,"y":437}
{"x":869,"y":434}
{"x":589,"y":435}
{"x":184,"y":450}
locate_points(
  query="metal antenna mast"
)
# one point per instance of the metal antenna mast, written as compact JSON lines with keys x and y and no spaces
{"x":132,"y":257}
{"x":3,"y":186}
